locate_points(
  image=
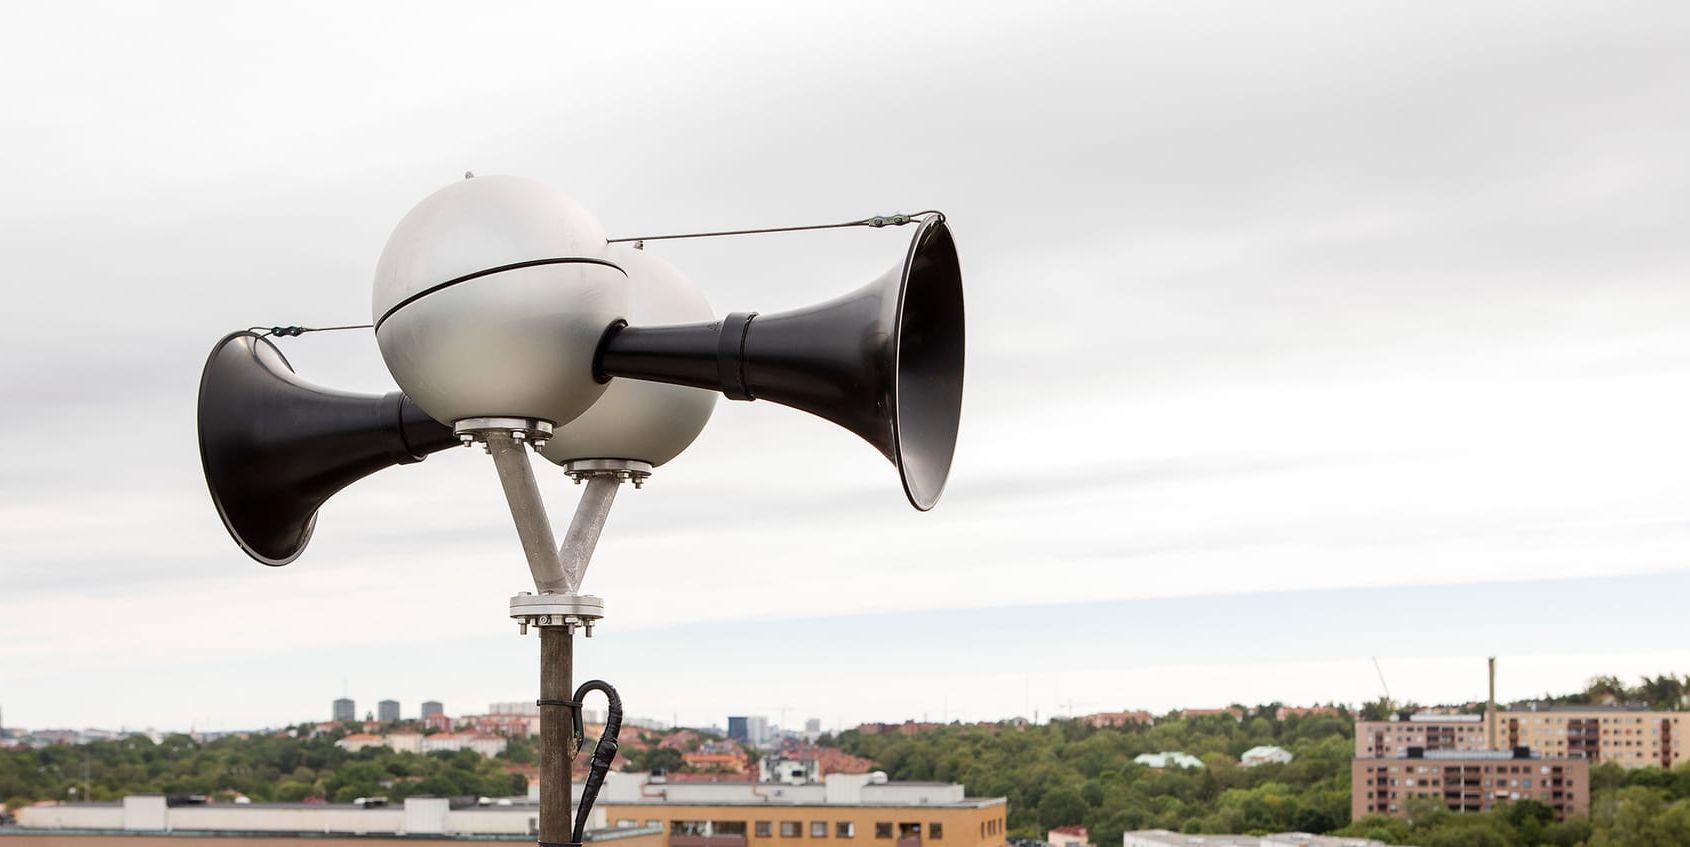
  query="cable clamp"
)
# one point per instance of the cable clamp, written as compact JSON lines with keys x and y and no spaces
{"x":888,"y":220}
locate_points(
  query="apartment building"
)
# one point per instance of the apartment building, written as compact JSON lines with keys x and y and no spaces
{"x":1633,"y":738}
{"x":1468,"y":781}
{"x":1393,"y":739}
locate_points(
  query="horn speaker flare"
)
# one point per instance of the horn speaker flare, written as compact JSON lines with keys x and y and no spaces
{"x":276,"y":447}
{"x":884,"y":361}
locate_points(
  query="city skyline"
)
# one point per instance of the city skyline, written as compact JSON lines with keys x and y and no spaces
{"x":1108,"y":658}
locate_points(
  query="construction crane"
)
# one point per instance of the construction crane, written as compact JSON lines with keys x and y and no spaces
{"x":1383,"y":684}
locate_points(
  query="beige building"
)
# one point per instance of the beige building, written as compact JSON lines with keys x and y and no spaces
{"x":412,"y":742}
{"x":1393,"y":739}
{"x":1468,"y":781}
{"x":486,"y":745}
{"x":1633,"y":738}
{"x":359,"y":741}
{"x":404,"y":742}
{"x":843,"y":810}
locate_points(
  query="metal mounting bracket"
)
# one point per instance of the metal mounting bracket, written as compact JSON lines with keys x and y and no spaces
{"x":566,"y":610}
{"x":557,"y":569}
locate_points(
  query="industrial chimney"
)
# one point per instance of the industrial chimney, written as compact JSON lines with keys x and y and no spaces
{"x":1490,"y":709}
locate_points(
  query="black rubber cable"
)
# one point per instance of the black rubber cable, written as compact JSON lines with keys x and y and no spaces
{"x":604,"y":753}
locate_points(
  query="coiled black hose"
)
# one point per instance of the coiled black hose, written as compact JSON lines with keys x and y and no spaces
{"x":603,"y":754}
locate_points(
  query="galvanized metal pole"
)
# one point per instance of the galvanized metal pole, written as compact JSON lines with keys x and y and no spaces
{"x":557,"y":659}
{"x":528,"y":511}
{"x":583,"y":536}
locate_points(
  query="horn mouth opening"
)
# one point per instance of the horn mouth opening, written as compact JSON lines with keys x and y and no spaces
{"x":217,"y":381}
{"x":929,"y":365}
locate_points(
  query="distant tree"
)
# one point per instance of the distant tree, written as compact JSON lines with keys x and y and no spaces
{"x":655,"y":759}
{"x":1662,"y":692}
{"x":1376,"y":710}
{"x":1063,"y":804}
{"x":1600,"y":687}
{"x":520,"y":749}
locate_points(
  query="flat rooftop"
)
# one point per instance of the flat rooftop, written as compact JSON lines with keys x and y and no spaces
{"x":965,"y":803}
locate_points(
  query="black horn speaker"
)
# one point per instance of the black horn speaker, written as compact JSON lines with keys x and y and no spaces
{"x":275,"y":447}
{"x":884,"y":361}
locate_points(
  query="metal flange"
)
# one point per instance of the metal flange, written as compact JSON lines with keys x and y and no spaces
{"x":533,"y":431}
{"x":565,"y":610}
{"x":621,"y":470}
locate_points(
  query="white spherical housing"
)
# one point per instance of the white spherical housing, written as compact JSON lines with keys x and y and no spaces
{"x":647,"y":421}
{"x":490,"y":299}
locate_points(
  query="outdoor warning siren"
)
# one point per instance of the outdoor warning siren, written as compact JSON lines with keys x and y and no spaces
{"x":884,"y":361}
{"x":509,"y":321}
{"x":275,"y":447}
{"x":489,"y":301}
{"x":649,"y":422}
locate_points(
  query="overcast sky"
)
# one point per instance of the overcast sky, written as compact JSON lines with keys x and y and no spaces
{"x":1299,"y":333}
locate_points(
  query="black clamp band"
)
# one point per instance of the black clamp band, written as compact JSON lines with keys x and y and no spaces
{"x":730,"y":355}
{"x":547,"y":701}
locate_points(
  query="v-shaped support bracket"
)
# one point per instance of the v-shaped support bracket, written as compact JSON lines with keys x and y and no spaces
{"x":557,"y":569}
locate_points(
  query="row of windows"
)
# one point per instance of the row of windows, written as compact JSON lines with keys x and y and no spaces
{"x":1553,"y":797}
{"x":1453,"y":769}
{"x":816,"y":829}
{"x":1456,"y":783}
{"x":846,"y":829}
